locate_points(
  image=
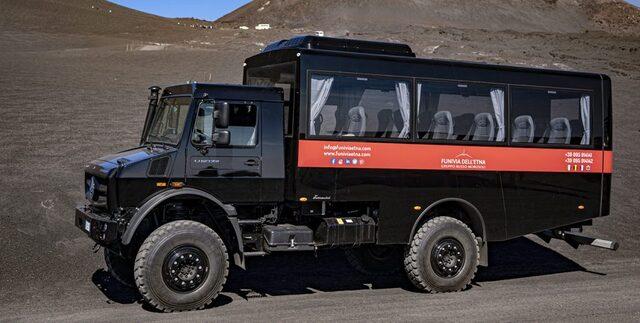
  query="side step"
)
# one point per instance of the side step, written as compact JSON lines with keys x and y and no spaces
{"x":576,"y":239}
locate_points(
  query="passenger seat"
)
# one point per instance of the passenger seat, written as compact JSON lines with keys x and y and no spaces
{"x":482,"y":129}
{"x":559,"y":131}
{"x":356,"y":122}
{"x":441,"y":126}
{"x":523,"y":129}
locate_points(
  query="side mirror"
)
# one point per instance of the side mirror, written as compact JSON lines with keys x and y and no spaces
{"x":221,"y":114}
{"x":221,"y":138}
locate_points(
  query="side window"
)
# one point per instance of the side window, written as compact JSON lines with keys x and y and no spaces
{"x":461,"y":111}
{"x":352,"y":106}
{"x":242,"y":124}
{"x":550,"y":116}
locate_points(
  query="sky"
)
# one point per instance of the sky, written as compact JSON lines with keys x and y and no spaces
{"x":202,"y":9}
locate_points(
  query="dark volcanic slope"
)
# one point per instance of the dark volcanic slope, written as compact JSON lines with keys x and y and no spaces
{"x":520,"y":15}
{"x":82,"y":17}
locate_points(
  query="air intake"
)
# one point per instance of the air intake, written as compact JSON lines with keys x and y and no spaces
{"x":158,"y":167}
{"x":343,"y":45}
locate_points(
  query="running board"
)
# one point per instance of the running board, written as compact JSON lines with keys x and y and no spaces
{"x":576,"y":239}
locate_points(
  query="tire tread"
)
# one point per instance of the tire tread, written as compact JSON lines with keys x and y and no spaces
{"x":411,"y":256}
{"x":143,"y":254}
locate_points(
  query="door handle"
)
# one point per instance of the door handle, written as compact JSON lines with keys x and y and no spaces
{"x":252,"y":162}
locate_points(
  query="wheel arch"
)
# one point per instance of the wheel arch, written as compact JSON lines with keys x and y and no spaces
{"x":474,"y":220}
{"x":158,"y":199}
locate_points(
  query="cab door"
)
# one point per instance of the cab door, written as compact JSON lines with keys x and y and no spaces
{"x":232,"y":173}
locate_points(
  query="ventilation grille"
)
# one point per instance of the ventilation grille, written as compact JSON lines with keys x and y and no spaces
{"x":158,"y":166}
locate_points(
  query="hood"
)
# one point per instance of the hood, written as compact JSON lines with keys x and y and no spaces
{"x":106,"y":164}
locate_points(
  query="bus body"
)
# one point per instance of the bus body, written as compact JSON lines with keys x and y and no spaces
{"x":352,"y":144}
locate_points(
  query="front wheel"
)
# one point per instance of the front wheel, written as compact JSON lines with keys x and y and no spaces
{"x":443,"y":256}
{"x":181,"y":266}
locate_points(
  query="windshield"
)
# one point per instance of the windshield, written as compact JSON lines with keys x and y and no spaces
{"x":168,"y":122}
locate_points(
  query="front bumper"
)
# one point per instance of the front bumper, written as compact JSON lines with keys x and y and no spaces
{"x":99,"y":227}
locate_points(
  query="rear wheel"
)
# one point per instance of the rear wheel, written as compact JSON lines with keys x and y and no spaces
{"x":181,"y":266}
{"x":119,"y":267}
{"x":375,"y":260}
{"x":443,"y":256}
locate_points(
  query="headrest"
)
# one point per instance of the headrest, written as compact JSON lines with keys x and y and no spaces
{"x":559,"y":124}
{"x":442,"y":118}
{"x":483,"y":119}
{"x":355,"y":114}
{"x":523,"y":122}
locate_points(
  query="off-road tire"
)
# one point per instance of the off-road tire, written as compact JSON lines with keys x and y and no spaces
{"x":150,"y":262}
{"x":374,"y":261}
{"x":120,"y":268}
{"x":418,"y":255}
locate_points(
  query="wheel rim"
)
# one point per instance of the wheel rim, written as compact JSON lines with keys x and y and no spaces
{"x":447,"y":257}
{"x":185,"y":269}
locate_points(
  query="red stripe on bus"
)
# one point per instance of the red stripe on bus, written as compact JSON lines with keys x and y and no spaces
{"x":370,"y":155}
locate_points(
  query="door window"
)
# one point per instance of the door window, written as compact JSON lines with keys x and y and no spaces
{"x":243,"y":121}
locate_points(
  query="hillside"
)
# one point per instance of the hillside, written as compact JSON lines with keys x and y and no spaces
{"x":85,"y":17}
{"x":373,"y":15}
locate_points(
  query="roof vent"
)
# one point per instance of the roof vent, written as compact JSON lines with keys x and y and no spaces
{"x":343,"y":45}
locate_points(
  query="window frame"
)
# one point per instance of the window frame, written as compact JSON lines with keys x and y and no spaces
{"x":410,"y":81}
{"x":534,"y":144}
{"x":504,"y":86}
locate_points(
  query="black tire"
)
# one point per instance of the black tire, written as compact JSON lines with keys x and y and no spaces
{"x":120,"y":268}
{"x":200,"y":259}
{"x":434,"y":261}
{"x":375,"y":260}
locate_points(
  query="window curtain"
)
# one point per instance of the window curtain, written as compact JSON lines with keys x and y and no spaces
{"x":585,"y":105}
{"x":404,"y":101}
{"x":497,"y":98}
{"x":320,"y":88}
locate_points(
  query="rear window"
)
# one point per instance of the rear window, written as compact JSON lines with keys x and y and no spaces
{"x":550,"y":116}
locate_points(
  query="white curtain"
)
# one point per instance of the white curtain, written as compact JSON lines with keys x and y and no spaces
{"x":419,"y":96}
{"x":404,"y":100}
{"x":585,"y":105}
{"x":320,"y":88}
{"x":497,"y":98}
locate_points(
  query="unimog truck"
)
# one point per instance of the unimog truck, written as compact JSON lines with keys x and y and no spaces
{"x":405,"y":163}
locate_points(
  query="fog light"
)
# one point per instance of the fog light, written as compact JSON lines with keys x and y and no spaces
{"x":303,"y":199}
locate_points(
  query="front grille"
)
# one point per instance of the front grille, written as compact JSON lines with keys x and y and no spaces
{"x":95,"y":189}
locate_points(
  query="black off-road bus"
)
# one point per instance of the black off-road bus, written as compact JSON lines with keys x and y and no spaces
{"x":334,"y":143}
